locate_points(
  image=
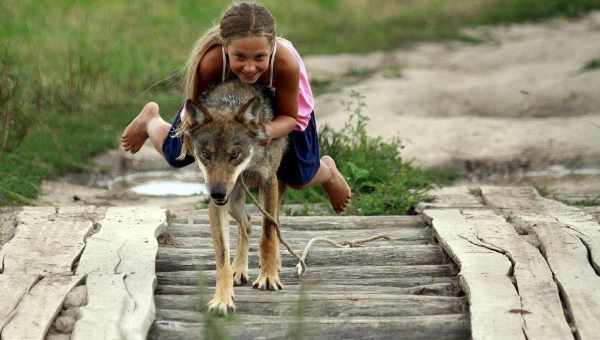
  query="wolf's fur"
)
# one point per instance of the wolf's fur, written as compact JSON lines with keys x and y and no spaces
{"x":224,"y":131}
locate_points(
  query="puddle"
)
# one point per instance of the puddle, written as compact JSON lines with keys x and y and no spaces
{"x":170,"y":188}
{"x":158,"y":183}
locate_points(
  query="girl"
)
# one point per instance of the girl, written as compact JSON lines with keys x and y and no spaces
{"x":244,"y":45}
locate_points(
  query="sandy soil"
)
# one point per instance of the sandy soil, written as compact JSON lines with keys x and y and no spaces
{"x":517,"y":102}
{"x":520,"y":99}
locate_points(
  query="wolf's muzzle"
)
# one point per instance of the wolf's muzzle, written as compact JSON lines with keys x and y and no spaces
{"x":219,"y":196}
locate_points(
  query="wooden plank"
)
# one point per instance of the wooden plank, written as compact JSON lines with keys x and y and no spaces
{"x":325,"y":275}
{"x":182,"y":236}
{"x":485,"y":275}
{"x":593,"y":211}
{"x":562,"y":234}
{"x":172,"y":259}
{"x":542,"y":311}
{"x":295,"y":243}
{"x":451,"y":197}
{"x":48,"y":240}
{"x":120,"y":264}
{"x":193,"y":278}
{"x":318,"y":223}
{"x":439,"y":289}
{"x":447,"y":327}
{"x":329,"y":305}
{"x":39,"y":307}
{"x":12,"y":290}
{"x":359,"y":272}
{"x":568,"y":259}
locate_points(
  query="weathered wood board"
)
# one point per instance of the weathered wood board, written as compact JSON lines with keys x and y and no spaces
{"x":12,"y":290}
{"x":441,"y":289}
{"x":38,"y":308}
{"x":172,"y":259}
{"x":265,"y":327}
{"x":569,"y":240}
{"x":319,"y":223}
{"x":541,"y":308}
{"x":399,"y":289}
{"x":120,"y":264}
{"x":452,"y":197}
{"x":485,"y":274}
{"x":48,"y":240}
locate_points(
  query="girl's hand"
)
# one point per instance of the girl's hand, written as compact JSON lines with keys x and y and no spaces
{"x":267,"y":135}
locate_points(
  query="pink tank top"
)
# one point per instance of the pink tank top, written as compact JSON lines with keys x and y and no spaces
{"x":306,"y":100}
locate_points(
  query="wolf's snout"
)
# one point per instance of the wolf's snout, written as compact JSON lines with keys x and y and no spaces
{"x":219,"y":195}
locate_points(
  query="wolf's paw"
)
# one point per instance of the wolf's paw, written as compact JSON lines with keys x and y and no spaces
{"x":220,"y":306}
{"x":240,"y":278}
{"x":268,"y":282}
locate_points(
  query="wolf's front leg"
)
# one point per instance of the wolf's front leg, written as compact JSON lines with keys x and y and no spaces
{"x":238,"y":212}
{"x":270,"y":261}
{"x":219,"y":227}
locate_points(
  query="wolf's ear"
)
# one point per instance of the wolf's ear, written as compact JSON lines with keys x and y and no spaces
{"x":197,"y":112}
{"x":245,"y":115}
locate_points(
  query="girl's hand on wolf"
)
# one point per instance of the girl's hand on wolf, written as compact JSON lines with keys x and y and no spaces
{"x":266,"y":140}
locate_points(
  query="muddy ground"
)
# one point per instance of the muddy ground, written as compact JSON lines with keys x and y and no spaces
{"x":497,"y":111}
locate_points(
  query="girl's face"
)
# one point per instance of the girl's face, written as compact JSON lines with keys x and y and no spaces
{"x":249,"y":57}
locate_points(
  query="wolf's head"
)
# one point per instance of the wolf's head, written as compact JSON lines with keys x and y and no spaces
{"x":223,"y":140}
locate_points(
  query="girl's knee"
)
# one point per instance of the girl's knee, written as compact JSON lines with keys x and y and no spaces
{"x":151,"y":106}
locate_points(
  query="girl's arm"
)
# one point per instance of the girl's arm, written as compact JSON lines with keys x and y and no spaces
{"x":286,"y":82}
{"x":210,"y":69}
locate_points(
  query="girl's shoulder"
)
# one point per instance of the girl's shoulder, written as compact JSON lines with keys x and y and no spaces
{"x":285,"y":65}
{"x":211,"y":63}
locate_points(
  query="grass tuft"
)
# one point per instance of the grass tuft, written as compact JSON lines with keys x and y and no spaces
{"x":591,"y":65}
{"x":382,"y":182}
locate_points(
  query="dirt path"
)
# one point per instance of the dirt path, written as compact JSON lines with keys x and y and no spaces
{"x":520,"y":99}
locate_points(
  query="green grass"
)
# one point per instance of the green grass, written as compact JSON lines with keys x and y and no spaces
{"x":73,"y":73}
{"x":592,"y":202}
{"x":382,"y":182}
{"x":591,"y":65}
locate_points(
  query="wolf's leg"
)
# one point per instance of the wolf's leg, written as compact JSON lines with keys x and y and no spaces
{"x":270,"y":261}
{"x":219,"y":227}
{"x":238,"y":212}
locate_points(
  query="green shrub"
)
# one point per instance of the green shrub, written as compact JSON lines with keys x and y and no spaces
{"x":382,"y":182}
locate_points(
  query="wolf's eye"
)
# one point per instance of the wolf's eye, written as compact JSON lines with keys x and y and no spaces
{"x":234,"y":155}
{"x":204,"y":154}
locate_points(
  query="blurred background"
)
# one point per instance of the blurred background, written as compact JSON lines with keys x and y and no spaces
{"x":74,"y":73}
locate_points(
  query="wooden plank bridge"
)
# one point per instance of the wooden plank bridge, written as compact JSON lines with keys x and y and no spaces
{"x":528,"y":266}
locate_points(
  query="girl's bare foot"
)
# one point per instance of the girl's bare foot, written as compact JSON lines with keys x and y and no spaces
{"x":336,"y":188}
{"x":136,"y":133}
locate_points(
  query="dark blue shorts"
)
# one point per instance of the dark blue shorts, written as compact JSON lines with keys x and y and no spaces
{"x":302,"y":158}
{"x":300,"y":161}
{"x":172,"y":146}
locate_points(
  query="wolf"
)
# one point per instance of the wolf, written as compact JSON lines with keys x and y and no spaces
{"x":224,"y":130}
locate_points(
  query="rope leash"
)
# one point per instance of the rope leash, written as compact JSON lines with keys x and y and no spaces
{"x":301,"y":266}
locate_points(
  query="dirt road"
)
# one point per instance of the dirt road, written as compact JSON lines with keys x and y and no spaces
{"x":519,"y":99}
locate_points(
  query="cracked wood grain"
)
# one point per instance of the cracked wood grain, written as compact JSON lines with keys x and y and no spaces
{"x":12,"y":290}
{"x":541,"y":309}
{"x":120,"y":263}
{"x":38,"y":308}
{"x":569,"y":242}
{"x":485,"y":276}
{"x":47,"y":241}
